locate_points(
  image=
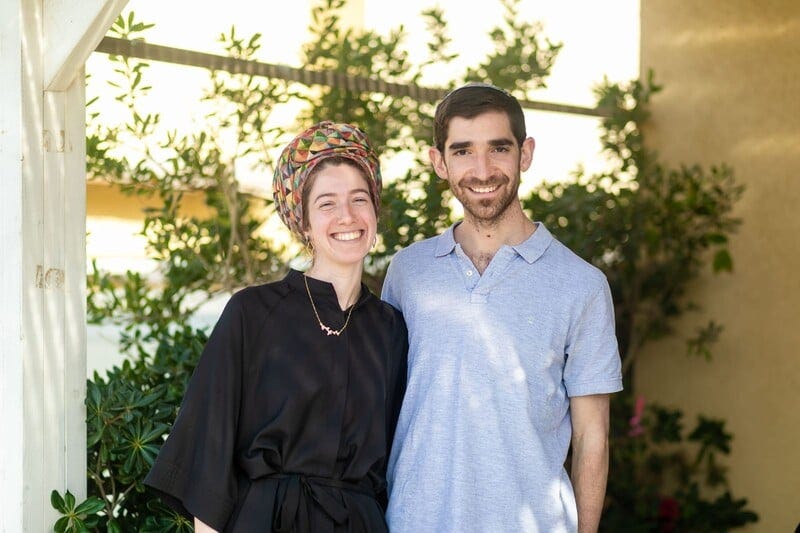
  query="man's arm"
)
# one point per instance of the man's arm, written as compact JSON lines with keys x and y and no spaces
{"x":590,"y":416}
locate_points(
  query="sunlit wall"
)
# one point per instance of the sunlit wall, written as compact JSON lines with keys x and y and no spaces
{"x":731,"y":76}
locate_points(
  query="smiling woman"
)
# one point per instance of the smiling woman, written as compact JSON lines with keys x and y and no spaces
{"x":288,"y":417}
{"x":341,"y":222}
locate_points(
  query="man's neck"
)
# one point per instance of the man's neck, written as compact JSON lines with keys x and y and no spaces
{"x":480,"y":240}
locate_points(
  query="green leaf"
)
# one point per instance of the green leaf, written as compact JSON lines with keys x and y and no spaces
{"x":69,"y":500}
{"x":79,"y":526}
{"x":717,"y":238}
{"x":113,"y":526}
{"x":61,"y":524}
{"x":130,"y":462}
{"x":723,"y":261}
{"x":57,"y":502}
{"x":90,"y":506}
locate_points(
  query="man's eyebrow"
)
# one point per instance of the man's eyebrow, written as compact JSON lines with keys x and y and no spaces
{"x":460,"y":145}
{"x":501,"y":142}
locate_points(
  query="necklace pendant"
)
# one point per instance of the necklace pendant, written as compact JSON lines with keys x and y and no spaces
{"x":328,"y":330}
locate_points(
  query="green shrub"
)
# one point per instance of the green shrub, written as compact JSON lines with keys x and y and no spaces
{"x":128,"y":413}
{"x":658,"y":484}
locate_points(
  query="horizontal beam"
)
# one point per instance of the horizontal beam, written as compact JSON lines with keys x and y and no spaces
{"x":155,"y":52}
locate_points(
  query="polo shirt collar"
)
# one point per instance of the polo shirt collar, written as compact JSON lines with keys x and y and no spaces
{"x":530,"y":249}
{"x":446,"y":242}
{"x":534,"y":246}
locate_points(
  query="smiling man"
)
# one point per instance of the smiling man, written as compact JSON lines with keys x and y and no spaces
{"x":512,"y":352}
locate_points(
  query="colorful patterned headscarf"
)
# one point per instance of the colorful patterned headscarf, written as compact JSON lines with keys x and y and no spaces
{"x":319,"y":142}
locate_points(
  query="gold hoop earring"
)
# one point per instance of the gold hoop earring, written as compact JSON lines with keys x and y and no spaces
{"x":309,"y":246}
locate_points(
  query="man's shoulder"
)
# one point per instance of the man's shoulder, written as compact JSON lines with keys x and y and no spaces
{"x":418,"y":249}
{"x":565,"y":260}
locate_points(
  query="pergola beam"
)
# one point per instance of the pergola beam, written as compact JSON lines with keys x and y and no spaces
{"x":330,"y":78}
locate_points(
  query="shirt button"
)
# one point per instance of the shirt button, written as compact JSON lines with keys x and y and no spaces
{"x":469,"y":272}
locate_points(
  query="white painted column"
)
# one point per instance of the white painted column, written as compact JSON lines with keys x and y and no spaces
{"x":11,"y":305}
{"x":43,"y":46}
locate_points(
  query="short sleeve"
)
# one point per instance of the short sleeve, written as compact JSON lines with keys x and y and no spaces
{"x":593,"y":364}
{"x":194,"y":471}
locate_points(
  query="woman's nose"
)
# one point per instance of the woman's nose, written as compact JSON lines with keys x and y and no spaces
{"x":345,"y":213}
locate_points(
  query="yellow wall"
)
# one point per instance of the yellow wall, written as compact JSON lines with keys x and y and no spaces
{"x":103,"y":200}
{"x":114,"y":222}
{"x":731,"y":76}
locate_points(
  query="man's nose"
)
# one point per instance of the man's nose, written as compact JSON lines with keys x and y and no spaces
{"x":482,"y":166}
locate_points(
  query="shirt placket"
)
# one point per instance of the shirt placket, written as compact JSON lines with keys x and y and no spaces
{"x":480,"y":285}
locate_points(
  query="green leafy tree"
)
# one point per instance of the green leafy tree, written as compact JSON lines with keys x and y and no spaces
{"x":651,"y":229}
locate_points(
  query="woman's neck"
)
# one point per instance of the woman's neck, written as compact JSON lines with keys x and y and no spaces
{"x":346,"y":281}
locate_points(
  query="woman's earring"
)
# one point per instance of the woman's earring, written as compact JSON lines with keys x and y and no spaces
{"x":309,"y":246}
{"x":374,"y":241}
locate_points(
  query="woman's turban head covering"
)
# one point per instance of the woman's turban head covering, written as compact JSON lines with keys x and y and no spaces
{"x":319,"y":142}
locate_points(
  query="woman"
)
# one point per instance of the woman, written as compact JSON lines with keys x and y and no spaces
{"x":288,"y":417}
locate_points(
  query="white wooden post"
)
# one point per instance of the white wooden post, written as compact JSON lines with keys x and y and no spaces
{"x":43,"y":47}
{"x":11,"y":343}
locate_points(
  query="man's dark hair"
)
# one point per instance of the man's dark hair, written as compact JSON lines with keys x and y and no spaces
{"x":471,"y":100}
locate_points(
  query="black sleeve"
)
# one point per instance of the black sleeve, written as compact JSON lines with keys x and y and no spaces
{"x":398,"y":377}
{"x":194,"y":471}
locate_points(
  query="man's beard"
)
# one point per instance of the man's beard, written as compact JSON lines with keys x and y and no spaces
{"x":488,"y":211}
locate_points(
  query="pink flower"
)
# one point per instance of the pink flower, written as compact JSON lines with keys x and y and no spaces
{"x":636,"y":428}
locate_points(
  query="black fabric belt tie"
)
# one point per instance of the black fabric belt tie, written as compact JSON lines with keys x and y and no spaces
{"x":296,"y":492}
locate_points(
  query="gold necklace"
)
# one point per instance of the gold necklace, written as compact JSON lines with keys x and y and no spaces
{"x":322,"y":326}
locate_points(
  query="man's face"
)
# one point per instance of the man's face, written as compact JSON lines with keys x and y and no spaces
{"x":482,"y":163}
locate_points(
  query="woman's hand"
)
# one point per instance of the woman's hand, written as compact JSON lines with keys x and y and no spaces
{"x":200,"y":527}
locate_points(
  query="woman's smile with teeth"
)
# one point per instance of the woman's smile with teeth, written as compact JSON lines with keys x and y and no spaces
{"x":348,"y":236}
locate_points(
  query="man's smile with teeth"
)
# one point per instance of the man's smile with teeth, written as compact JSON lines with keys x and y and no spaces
{"x":482,"y":190}
{"x":348,"y":236}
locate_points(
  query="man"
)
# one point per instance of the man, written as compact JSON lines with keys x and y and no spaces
{"x":512,"y":352}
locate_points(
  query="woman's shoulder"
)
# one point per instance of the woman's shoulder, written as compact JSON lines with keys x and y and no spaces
{"x":387,"y":313}
{"x":262,"y":296}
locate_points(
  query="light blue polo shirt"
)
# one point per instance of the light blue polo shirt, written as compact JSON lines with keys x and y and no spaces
{"x":493,"y":360}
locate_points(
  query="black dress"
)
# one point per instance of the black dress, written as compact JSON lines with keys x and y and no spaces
{"x":284,"y":428}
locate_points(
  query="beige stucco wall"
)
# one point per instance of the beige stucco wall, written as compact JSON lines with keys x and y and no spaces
{"x":731,"y":76}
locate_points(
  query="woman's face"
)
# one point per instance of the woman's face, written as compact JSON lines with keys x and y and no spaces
{"x":341,"y":221}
